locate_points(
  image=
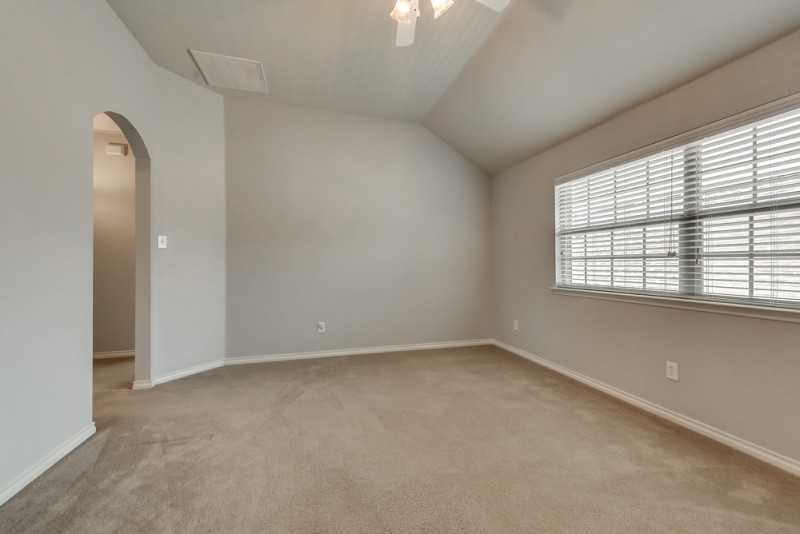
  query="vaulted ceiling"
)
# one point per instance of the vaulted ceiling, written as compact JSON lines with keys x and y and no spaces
{"x":498,"y":87}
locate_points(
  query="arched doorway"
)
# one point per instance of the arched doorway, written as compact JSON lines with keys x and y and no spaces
{"x":142,"y":248}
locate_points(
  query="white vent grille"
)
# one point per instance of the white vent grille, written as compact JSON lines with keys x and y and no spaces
{"x":231,"y":72}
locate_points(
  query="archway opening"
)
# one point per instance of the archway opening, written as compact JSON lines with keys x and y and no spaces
{"x":122,"y":242}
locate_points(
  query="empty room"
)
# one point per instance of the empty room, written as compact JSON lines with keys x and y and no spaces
{"x":368,"y":266}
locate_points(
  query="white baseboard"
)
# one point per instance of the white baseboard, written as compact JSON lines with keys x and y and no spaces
{"x":187,"y":372}
{"x":107,"y":355}
{"x":45,"y":463}
{"x":773,"y":458}
{"x":242,"y":360}
{"x":147,"y":384}
{"x":142,"y":384}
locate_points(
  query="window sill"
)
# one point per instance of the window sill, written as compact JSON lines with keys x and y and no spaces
{"x":723,"y":308}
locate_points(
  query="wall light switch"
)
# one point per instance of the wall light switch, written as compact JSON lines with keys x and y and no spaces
{"x":516,"y":324}
{"x":162,"y":241}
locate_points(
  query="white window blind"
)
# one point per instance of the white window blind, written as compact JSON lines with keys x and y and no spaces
{"x":714,"y":219}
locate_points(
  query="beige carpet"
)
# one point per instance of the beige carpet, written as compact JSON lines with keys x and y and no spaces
{"x":464,"y":440}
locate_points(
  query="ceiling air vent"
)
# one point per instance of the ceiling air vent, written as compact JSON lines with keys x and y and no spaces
{"x":231,"y":72}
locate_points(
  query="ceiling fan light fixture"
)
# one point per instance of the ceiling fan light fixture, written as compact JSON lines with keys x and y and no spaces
{"x":406,"y":12}
{"x":440,"y":6}
{"x":402,"y":11}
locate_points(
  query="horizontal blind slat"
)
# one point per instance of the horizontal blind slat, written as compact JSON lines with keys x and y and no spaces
{"x":717,"y":219}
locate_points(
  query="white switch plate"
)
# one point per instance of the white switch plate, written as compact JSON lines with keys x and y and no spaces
{"x":672,"y":371}
{"x":162,"y":241}
{"x":516,"y":325}
{"x":320,"y":328}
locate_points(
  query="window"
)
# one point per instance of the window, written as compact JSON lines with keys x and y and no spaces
{"x":715,"y":219}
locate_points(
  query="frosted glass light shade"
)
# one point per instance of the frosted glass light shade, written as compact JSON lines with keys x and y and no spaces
{"x":440,"y":6}
{"x":402,"y":11}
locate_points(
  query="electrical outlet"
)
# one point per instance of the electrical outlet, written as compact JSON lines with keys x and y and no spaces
{"x":320,"y":328}
{"x":516,"y":325}
{"x":672,"y":371}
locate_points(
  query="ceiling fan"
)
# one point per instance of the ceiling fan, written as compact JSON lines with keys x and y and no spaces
{"x":406,"y":13}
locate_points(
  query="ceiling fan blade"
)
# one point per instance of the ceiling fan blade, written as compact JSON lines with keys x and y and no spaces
{"x":497,"y":5}
{"x":405,"y":32}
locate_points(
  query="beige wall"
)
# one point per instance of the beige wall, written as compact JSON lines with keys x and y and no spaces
{"x":114,"y":246}
{"x":738,"y":374}
{"x":374,"y":226}
{"x":63,"y":64}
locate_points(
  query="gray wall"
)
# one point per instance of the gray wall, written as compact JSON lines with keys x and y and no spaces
{"x":114,"y":246}
{"x":188,"y":318}
{"x":738,"y":374}
{"x":63,"y":63}
{"x":374,"y":226}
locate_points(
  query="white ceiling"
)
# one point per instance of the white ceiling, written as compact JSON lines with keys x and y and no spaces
{"x":102,"y":123}
{"x":497,"y":87}
{"x":326,"y":54}
{"x":554,"y":68}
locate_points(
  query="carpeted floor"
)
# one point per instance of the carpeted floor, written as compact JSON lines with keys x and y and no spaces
{"x":462,"y":440}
